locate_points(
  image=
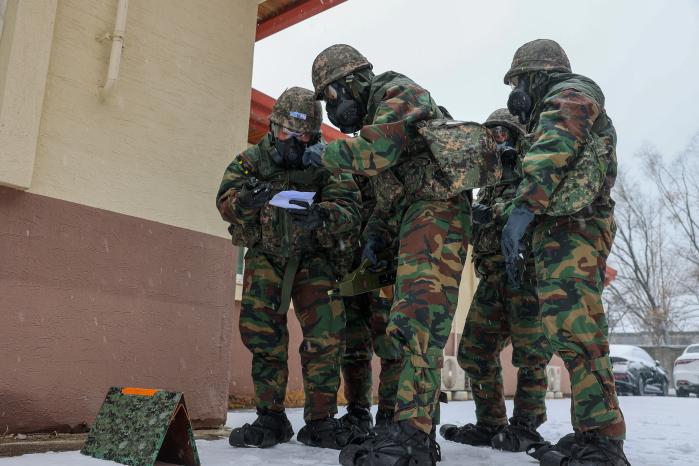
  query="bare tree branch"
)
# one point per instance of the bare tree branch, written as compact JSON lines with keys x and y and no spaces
{"x":650,"y":291}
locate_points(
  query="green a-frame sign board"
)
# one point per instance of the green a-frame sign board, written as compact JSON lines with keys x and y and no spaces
{"x":138,"y":427}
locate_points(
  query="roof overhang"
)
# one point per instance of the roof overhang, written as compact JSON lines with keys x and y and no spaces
{"x":274,"y":16}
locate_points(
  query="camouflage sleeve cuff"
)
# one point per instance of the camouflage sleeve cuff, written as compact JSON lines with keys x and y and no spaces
{"x":502,"y":210}
{"x":522,"y":201}
{"x":231,"y":211}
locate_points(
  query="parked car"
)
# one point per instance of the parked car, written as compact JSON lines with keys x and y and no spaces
{"x":686,"y":371}
{"x":636,"y":373}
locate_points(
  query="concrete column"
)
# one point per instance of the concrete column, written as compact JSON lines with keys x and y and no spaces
{"x":25,"y":48}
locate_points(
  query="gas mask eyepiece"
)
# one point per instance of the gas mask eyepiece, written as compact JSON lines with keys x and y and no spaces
{"x":288,"y":147}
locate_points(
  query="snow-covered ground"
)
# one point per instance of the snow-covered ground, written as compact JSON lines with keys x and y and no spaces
{"x":661,"y":432}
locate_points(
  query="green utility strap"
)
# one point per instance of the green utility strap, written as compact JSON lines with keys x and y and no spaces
{"x":288,"y":283}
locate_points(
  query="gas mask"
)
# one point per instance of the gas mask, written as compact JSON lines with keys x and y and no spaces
{"x":288,"y":147}
{"x":519,"y":103}
{"x":288,"y":153}
{"x":505,"y":145}
{"x":344,"y":111}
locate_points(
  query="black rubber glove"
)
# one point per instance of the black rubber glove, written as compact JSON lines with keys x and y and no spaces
{"x":254,"y":194}
{"x":481,"y":213}
{"x":511,"y":242}
{"x":373,"y":246}
{"x":311,"y":217}
{"x":313,"y":155}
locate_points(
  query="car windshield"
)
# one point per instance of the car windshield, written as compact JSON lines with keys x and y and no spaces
{"x":621,"y":351}
{"x":644,"y":356}
{"x":693,"y":349}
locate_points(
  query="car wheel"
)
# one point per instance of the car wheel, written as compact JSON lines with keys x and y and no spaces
{"x":663,"y":389}
{"x":682,"y":393}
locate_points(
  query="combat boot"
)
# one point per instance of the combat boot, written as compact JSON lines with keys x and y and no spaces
{"x":478,"y":435}
{"x":565,"y":444}
{"x":328,"y":433}
{"x":520,"y":435}
{"x":384,"y":419}
{"x":401,"y":445}
{"x":269,"y":429}
{"x":589,"y":449}
{"x":359,"y":417}
{"x":564,"y":447}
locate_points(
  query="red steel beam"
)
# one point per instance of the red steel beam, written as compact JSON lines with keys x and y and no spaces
{"x":260,"y":107}
{"x":299,"y":12}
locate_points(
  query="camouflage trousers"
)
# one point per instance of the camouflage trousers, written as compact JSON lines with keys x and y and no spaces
{"x":433,"y":239}
{"x":264,"y":332}
{"x":367,"y":318}
{"x":571,"y":256}
{"x":499,"y":314}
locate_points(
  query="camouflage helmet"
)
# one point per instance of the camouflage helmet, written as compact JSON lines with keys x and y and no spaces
{"x":503,"y":117}
{"x":297,"y":110}
{"x":333,"y":63}
{"x":538,"y":55}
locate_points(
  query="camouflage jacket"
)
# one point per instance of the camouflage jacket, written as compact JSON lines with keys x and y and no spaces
{"x":368,"y":197}
{"x":390,"y":151}
{"x":270,"y":229}
{"x":487,"y":253}
{"x":562,"y":121}
{"x":366,"y":187}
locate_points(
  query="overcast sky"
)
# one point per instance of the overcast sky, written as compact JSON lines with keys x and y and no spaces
{"x":644,"y":54}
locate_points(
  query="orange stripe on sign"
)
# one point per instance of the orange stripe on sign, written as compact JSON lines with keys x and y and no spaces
{"x":139,"y":391}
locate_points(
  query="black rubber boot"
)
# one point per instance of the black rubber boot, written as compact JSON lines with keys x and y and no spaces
{"x":269,"y":429}
{"x":478,"y":435}
{"x":592,"y":449}
{"x":520,"y":435}
{"x":589,"y":449}
{"x":360,"y":418}
{"x":384,"y":420}
{"x":401,"y":445}
{"x":328,"y":433}
{"x":562,"y":449}
{"x":565,"y":443}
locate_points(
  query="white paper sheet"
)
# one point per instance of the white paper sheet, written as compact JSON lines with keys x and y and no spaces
{"x":282,"y":199}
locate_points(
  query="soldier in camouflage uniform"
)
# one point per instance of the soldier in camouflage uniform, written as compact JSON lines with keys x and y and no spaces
{"x":432,"y":229}
{"x":291,"y":255}
{"x":367,"y":318}
{"x":569,"y":169}
{"x":501,"y":313}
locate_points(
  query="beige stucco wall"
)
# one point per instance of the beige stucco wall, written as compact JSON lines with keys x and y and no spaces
{"x":25,"y":47}
{"x":158,"y":147}
{"x":2,"y":14}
